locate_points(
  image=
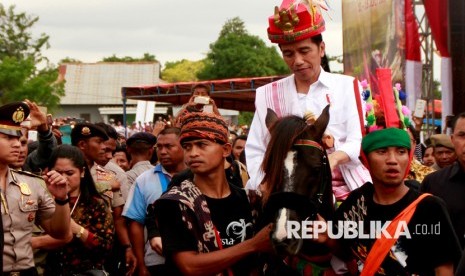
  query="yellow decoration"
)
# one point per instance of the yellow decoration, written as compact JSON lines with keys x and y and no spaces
{"x":25,"y":190}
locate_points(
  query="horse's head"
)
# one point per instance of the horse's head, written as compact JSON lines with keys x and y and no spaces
{"x":297,"y":175}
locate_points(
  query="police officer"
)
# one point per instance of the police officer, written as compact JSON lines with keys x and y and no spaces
{"x":90,"y":139}
{"x":27,"y":198}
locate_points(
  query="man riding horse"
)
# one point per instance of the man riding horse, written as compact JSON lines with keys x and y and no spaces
{"x":296,"y":27}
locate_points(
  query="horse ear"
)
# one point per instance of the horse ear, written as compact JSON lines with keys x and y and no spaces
{"x":271,"y":118}
{"x":322,"y":122}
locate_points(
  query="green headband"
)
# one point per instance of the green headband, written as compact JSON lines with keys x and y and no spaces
{"x":389,"y":137}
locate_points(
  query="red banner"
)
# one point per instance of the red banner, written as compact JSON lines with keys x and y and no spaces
{"x":412,"y":38}
{"x":436,"y":11}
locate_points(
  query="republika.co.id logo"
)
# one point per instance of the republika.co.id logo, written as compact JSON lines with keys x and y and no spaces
{"x":356,"y":229}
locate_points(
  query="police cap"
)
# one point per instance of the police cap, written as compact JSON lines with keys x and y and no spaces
{"x":441,"y":140}
{"x":83,"y":131}
{"x":11,"y":117}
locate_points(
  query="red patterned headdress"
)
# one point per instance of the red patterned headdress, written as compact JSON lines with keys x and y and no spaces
{"x":296,"y":20}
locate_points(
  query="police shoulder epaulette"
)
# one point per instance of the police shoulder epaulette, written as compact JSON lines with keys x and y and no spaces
{"x":26,"y":173}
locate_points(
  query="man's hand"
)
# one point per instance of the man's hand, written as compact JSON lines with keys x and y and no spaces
{"x":337,"y":158}
{"x":131,"y":261}
{"x":158,"y":127}
{"x":38,"y":118}
{"x":115,"y":185}
{"x":57,"y":133}
{"x":57,"y":184}
{"x":156,"y":245}
{"x":214,"y":107}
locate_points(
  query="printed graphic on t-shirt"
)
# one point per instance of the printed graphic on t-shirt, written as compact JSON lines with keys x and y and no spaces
{"x":236,"y":232}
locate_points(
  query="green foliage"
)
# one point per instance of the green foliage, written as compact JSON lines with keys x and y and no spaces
{"x":69,"y":60}
{"x":20,"y":55}
{"x":233,"y":26}
{"x":183,"y":70}
{"x":238,"y":54}
{"x":245,"y":118}
{"x":145,"y":57}
{"x":436,"y":92}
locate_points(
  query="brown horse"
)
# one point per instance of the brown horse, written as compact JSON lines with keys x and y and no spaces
{"x":297,"y":182}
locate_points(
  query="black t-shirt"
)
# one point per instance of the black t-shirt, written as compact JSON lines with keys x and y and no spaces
{"x":432,"y":240}
{"x":448,"y":183}
{"x":231,"y":216}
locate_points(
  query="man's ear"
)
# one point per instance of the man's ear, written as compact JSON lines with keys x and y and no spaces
{"x":322,"y":48}
{"x":227,"y":150}
{"x":82,"y":144}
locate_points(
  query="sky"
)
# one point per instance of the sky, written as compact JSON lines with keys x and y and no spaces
{"x":172,"y":30}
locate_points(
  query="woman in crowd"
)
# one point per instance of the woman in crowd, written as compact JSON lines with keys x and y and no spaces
{"x":428,"y":157}
{"x":91,"y":220}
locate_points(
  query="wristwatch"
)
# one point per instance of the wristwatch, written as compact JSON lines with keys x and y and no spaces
{"x":62,"y":202}
{"x":79,"y":234}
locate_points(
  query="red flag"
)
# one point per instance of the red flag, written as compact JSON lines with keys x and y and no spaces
{"x":413,"y":65}
{"x":436,"y":12}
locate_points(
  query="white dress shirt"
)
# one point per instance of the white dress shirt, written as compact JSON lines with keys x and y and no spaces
{"x":344,"y":124}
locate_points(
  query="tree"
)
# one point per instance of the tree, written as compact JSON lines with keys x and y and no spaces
{"x":233,"y":26}
{"x":184,"y":70}
{"x":236,"y":53}
{"x":437,"y":93}
{"x":69,"y":60}
{"x":145,"y":57}
{"x":20,"y":57}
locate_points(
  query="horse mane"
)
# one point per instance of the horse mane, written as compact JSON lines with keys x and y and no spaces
{"x":283,"y":134}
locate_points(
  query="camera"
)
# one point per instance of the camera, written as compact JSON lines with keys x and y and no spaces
{"x":49,"y":119}
{"x":202,"y":100}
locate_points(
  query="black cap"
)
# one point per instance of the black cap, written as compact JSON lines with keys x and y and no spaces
{"x":83,"y":131}
{"x":145,"y":137}
{"x":11,"y":117}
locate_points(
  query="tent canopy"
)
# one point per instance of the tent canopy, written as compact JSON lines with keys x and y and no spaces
{"x":237,"y":94}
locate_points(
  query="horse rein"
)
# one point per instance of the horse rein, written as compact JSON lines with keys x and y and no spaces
{"x":313,"y":144}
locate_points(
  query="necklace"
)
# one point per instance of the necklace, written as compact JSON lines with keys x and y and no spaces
{"x":75,"y":203}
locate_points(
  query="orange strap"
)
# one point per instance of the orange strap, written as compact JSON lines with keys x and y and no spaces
{"x":383,"y":245}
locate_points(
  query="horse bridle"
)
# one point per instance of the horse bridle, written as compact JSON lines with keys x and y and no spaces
{"x":301,"y":203}
{"x":314,"y":144}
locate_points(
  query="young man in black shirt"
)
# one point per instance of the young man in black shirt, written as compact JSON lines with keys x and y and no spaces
{"x":427,"y":246}
{"x":207,"y":225}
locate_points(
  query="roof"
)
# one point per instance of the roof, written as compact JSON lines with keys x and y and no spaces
{"x":100,"y":83}
{"x":237,"y":94}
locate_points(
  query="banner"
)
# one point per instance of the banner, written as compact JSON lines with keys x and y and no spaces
{"x":374,"y":37}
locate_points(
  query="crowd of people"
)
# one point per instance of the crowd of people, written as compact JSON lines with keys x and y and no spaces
{"x":183,"y":196}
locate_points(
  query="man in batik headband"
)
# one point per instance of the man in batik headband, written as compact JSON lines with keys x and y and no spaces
{"x":198,"y":215}
{"x":402,"y":211}
{"x":296,"y":27}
